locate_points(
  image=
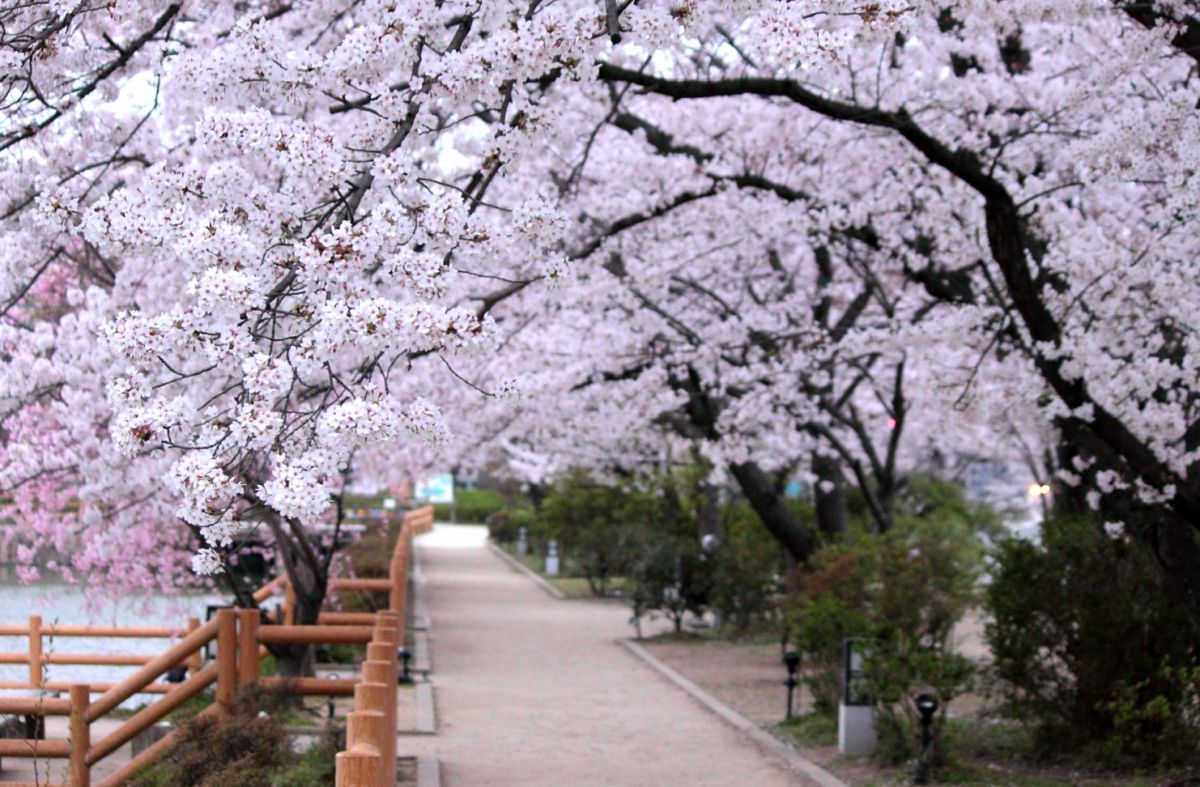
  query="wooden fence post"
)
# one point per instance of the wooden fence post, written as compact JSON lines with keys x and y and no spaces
{"x":365,"y":732}
{"x":227,"y":661}
{"x":380,"y":669}
{"x":289,"y":605}
{"x":247,"y":646}
{"x":80,"y":735}
{"x":196,"y":660}
{"x":358,"y":768}
{"x":35,"y":651}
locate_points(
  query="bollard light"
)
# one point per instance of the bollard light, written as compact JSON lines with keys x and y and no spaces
{"x":791,"y":660}
{"x":331,"y":707}
{"x":405,"y":676}
{"x":176,"y":674}
{"x":927,"y":705}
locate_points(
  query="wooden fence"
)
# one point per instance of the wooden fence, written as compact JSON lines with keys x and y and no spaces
{"x":240,"y":637}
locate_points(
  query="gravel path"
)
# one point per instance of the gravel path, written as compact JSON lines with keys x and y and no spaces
{"x":533,"y":691}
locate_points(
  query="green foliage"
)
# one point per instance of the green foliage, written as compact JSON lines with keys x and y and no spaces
{"x":1090,"y":649}
{"x":670,"y":577}
{"x":905,"y":590}
{"x":470,"y":505}
{"x":249,"y":750}
{"x":315,"y":767}
{"x":504,"y":526}
{"x":810,"y":730}
{"x":747,"y":569}
{"x":600,"y":527}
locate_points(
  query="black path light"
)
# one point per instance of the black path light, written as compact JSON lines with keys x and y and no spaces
{"x":927,"y":705}
{"x":791,"y":660}
{"x":404,"y":655}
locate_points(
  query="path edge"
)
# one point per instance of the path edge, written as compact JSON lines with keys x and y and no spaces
{"x":773,"y":745}
{"x":552,"y":591}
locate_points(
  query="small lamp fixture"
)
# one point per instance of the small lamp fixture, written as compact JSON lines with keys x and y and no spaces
{"x":405,"y":656}
{"x":927,"y":706}
{"x":791,"y":660}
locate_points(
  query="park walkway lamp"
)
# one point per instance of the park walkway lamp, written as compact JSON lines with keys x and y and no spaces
{"x":405,"y":656}
{"x":927,"y":705}
{"x":791,"y":660}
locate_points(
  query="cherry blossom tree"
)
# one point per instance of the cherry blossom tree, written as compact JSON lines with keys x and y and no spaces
{"x":1018,"y":177}
{"x":240,"y":238}
{"x":252,"y":247}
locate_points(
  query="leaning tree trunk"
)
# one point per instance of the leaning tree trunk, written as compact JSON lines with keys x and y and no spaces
{"x":829,"y":495}
{"x":797,"y":537}
{"x":308,"y":576}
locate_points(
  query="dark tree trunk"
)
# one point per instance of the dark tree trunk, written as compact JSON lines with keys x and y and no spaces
{"x":308,"y":576}
{"x":829,"y":496}
{"x":797,"y":538}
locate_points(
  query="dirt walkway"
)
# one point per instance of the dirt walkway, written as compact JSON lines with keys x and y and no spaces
{"x":533,"y":691}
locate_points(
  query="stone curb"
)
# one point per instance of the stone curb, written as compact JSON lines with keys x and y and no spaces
{"x":428,"y":772}
{"x":524,"y":569}
{"x":773,"y":745}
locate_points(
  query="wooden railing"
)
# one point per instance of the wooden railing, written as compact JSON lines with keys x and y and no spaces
{"x":240,"y":636}
{"x":370,"y":756}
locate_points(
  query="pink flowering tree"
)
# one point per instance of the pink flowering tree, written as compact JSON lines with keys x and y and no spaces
{"x":252,"y":247}
{"x":245,"y":243}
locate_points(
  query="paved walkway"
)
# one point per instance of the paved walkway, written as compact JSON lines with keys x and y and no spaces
{"x":533,"y":691}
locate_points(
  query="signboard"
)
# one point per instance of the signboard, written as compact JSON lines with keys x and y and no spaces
{"x":855,"y":691}
{"x":435,"y":489}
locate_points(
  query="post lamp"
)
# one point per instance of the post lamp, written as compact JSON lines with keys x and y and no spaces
{"x":791,"y":660}
{"x":404,"y":655}
{"x":927,"y":705}
{"x":330,"y":704}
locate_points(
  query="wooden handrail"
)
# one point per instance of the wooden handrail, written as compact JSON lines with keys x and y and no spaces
{"x":87,"y":630}
{"x":21,"y":747}
{"x":35,"y":706}
{"x":157,"y":666}
{"x":301,"y":635}
{"x":346,"y":619}
{"x":95,"y":688}
{"x":311,"y":687}
{"x":240,"y":638}
{"x":356,"y":583}
{"x":268,"y":590}
{"x":148,"y":715}
{"x":148,"y":756}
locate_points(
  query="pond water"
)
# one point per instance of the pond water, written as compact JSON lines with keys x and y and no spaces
{"x":63,"y":603}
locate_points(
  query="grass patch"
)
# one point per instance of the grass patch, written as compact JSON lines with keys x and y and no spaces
{"x":571,"y":585}
{"x":808,"y":731}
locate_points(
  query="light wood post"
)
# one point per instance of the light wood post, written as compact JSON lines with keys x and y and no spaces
{"x":80,"y":734}
{"x":35,"y":651}
{"x":247,"y":646}
{"x":227,"y":667}
{"x":382,"y":671}
{"x":195,"y":661}
{"x":289,"y":605}
{"x":359,"y":768}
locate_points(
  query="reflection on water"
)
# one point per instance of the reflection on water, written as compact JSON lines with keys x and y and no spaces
{"x":63,"y":603}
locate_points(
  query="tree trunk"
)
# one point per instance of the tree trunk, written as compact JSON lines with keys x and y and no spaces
{"x":797,"y":538}
{"x":829,"y":496}
{"x":308,"y":576}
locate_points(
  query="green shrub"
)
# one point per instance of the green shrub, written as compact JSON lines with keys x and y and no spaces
{"x":470,"y":505}
{"x":599,"y":527}
{"x":905,"y":590}
{"x":669,"y":577}
{"x":504,"y":526}
{"x":1089,"y":648}
{"x":746,"y":569}
{"x":246,"y":751}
